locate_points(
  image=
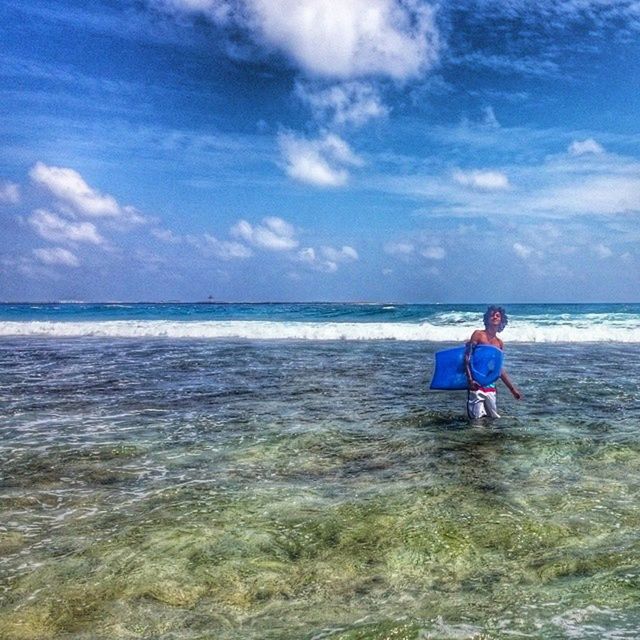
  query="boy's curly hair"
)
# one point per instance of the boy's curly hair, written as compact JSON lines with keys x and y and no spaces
{"x":503,"y":315}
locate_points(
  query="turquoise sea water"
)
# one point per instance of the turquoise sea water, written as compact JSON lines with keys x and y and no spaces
{"x":158,"y":480}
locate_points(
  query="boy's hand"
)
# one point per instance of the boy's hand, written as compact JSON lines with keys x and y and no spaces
{"x":473,"y":385}
{"x":516,"y":394}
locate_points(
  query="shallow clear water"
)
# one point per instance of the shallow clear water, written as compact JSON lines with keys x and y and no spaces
{"x":212,"y":489}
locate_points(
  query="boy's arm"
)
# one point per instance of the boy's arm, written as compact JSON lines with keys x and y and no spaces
{"x":507,"y":380}
{"x":469,"y":347}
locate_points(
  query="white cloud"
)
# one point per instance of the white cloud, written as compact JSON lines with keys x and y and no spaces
{"x":318,"y":162}
{"x":225,"y":249}
{"x":433,"y":253}
{"x":166,"y":235}
{"x":582,"y":147}
{"x":399,"y":248}
{"x":310,"y":257}
{"x":392,"y":38}
{"x":273,"y":234}
{"x":423,"y":247}
{"x":57,"y":256}
{"x":522,"y":251}
{"x":307,"y":255}
{"x":602,"y":251}
{"x":344,"y":254}
{"x":347,"y":103}
{"x":56,"y":229}
{"x":560,"y":185}
{"x":9,"y":193}
{"x":482,"y":180}
{"x":606,"y":194}
{"x":351,"y":39}
{"x":327,"y":259}
{"x":70,"y":188}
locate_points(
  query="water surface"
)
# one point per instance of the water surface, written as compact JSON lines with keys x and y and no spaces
{"x":183,"y":489}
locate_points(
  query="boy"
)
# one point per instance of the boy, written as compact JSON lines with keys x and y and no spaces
{"x":481,"y":401}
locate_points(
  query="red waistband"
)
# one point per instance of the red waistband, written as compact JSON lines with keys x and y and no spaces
{"x":487,"y":389}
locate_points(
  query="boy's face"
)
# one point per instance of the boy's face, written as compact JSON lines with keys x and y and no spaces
{"x":495,"y":318}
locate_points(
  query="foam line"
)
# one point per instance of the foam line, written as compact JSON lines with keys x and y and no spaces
{"x":265,"y":330}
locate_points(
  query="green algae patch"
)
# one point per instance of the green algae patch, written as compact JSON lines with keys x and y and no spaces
{"x":55,"y":466}
{"x":32,"y":623}
{"x":11,"y":542}
{"x":174,"y":593}
{"x":66,"y":610}
{"x":387,"y":630}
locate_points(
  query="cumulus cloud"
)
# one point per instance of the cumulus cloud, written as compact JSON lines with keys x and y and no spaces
{"x":351,"y":39}
{"x":358,"y":43}
{"x":327,"y":258}
{"x":433,"y":253}
{"x":321,"y":162}
{"x":422,"y":246}
{"x":392,"y":38}
{"x":482,"y":180}
{"x":70,"y":188}
{"x":225,"y":249}
{"x":399,"y":248}
{"x":9,"y":193}
{"x":348,"y":103}
{"x":57,"y":256}
{"x":583,"y":147}
{"x":274,"y":234}
{"x":51,"y":226}
{"x":208,"y":244}
{"x":344,"y":254}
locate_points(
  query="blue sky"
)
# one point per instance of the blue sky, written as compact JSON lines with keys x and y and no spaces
{"x":364,"y":150}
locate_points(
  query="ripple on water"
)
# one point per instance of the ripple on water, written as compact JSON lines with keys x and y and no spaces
{"x":156,"y":490}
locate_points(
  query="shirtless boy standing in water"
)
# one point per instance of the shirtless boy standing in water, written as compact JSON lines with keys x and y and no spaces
{"x":481,"y":401}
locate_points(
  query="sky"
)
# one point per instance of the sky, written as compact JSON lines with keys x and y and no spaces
{"x":316,"y":150}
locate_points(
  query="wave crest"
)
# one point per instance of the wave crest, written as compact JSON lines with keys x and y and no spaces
{"x":266,"y":330}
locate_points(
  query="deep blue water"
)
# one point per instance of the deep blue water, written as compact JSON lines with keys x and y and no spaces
{"x":314,"y":312}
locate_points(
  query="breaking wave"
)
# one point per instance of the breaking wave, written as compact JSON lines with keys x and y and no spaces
{"x":592,"y":330}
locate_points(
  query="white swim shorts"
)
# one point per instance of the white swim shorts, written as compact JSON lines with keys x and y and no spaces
{"x":482,"y":403}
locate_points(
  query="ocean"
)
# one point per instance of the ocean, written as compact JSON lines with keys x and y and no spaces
{"x":262,"y":471}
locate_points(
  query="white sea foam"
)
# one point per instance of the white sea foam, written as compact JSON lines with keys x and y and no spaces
{"x":566,"y":331}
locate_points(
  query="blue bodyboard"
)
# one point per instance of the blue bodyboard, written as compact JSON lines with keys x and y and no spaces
{"x":486,"y":365}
